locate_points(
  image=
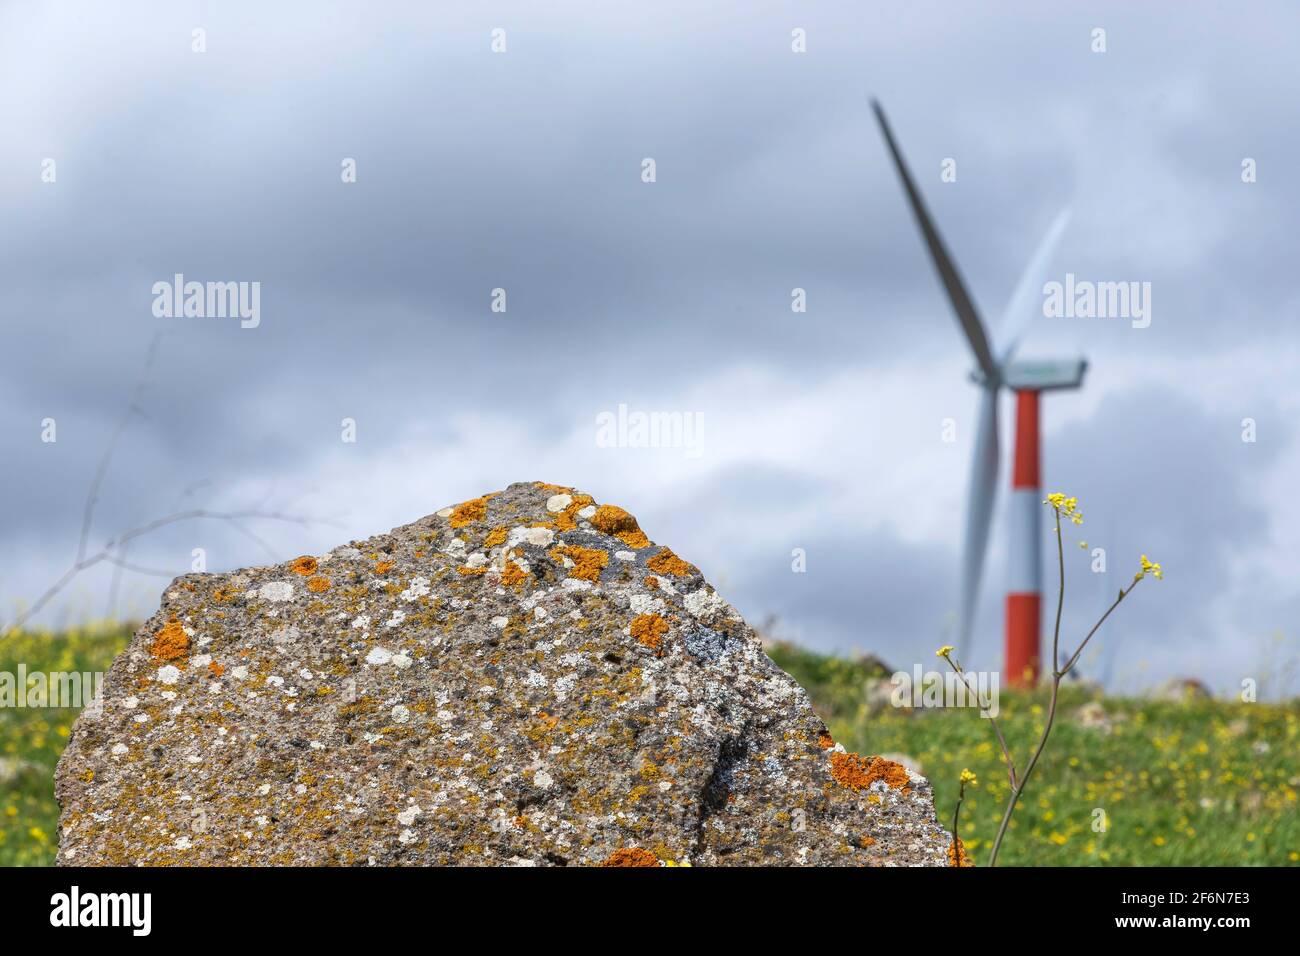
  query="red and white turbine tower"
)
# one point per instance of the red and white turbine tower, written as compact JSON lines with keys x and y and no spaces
{"x":998,"y":369}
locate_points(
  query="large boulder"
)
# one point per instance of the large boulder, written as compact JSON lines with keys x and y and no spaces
{"x":521,"y":679}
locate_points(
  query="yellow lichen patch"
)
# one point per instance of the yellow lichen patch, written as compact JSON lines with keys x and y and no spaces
{"x":495,"y":537}
{"x":587,"y":562}
{"x":223,"y":594}
{"x":665,"y":562}
{"x":466,"y":570}
{"x":631,"y":856}
{"x":649,"y":629}
{"x":467,"y":512}
{"x":856,"y":772}
{"x":306,"y":565}
{"x":318,"y":584}
{"x":171,"y":643}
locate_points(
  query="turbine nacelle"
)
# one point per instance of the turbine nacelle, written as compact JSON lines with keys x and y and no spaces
{"x":1042,"y":375}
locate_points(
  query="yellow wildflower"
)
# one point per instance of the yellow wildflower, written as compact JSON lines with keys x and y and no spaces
{"x":1152,"y":568}
{"x":1066,"y":507}
{"x":968,"y":777}
{"x":944,"y":651}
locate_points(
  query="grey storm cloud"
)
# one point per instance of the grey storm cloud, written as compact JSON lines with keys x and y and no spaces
{"x":522,"y":171}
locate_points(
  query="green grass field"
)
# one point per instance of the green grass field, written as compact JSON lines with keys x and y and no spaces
{"x":32,"y":739}
{"x":1196,"y":783}
{"x":1203,"y":783}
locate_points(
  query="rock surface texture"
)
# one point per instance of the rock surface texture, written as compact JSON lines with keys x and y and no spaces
{"x":521,"y":679}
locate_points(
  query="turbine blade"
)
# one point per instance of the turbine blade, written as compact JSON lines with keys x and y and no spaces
{"x":980,"y":497}
{"x":1026,"y":300}
{"x":952,"y":282}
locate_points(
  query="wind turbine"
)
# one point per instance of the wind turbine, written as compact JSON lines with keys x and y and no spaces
{"x":997,"y":368}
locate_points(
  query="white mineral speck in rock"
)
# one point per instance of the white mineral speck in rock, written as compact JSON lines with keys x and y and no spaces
{"x":379,"y":655}
{"x":401,"y":661}
{"x":201,"y":660}
{"x":396,"y":619}
{"x":543,"y":779}
{"x":500,"y":623}
{"x":168,"y":674}
{"x":416,"y":589}
{"x":401,"y":714}
{"x":644,"y":603}
{"x":239,"y":672}
{"x":558,"y":502}
{"x":625,"y":555}
{"x":444,"y":513}
{"x":703,"y":602}
{"x":276,"y":591}
{"x":406,"y":836}
{"x":540,"y":537}
{"x":131,"y":703}
{"x":119,"y":749}
{"x":361,"y":622}
{"x":182,"y":844}
{"x":407,"y":816}
{"x":587,"y":513}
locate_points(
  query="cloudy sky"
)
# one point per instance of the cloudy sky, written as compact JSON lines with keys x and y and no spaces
{"x":522,"y":170}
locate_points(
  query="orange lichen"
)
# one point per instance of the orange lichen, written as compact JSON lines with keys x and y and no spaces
{"x":957,"y":853}
{"x":631,"y":856}
{"x":216,"y":668}
{"x":318,"y":584}
{"x":383,"y":567}
{"x":857,"y":773}
{"x":552,"y":489}
{"x":512,"y":575}
{"x":467,"y":512}
{"x":587,"y":562}
{"x":649,"y":629}
{"x":171,"y":643}
{"x":611,"y":519}
{"x":652,"y":582}
{"x":665,"y":562}
{"x":567,"y":519}
{"x":634,"y":539}
{"x":223,"y":594}
{"x":466,"y":570}
{"x":306,"y":565}
{"x":495,"y":537}
{"x":826,"y":741}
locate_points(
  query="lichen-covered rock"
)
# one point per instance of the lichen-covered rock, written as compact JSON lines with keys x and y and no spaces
{"x":521,"y":679}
